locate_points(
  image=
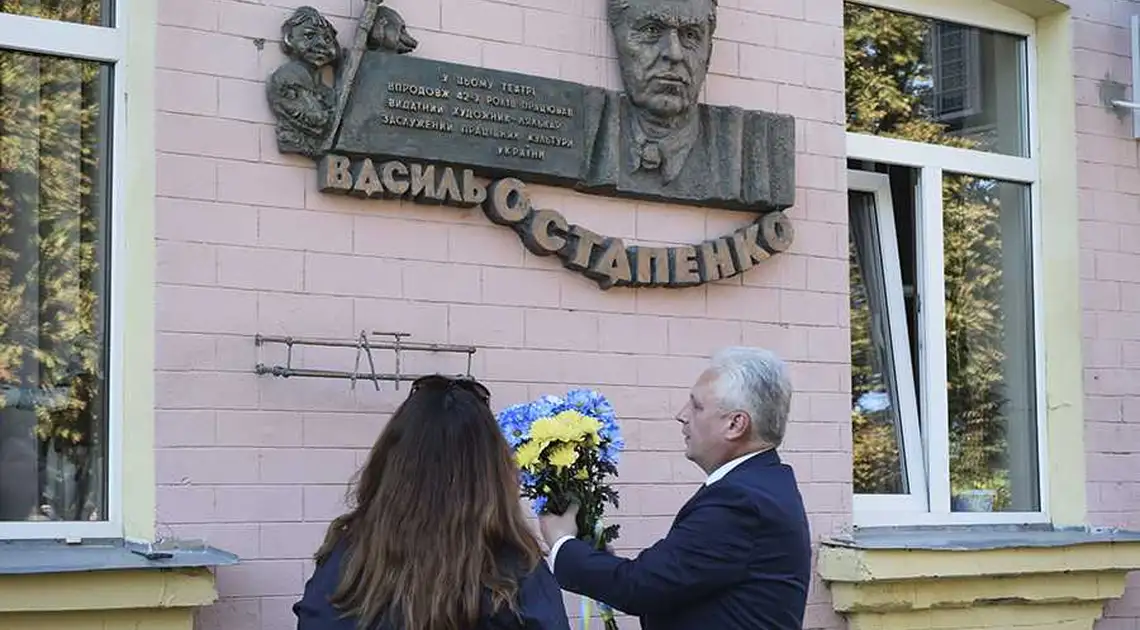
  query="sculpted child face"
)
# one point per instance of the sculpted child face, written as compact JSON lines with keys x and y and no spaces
{"x":313,"y":39}
{"x":663,"y":50}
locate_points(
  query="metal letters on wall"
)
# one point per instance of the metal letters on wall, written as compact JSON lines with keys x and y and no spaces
{"x":388,"y":125}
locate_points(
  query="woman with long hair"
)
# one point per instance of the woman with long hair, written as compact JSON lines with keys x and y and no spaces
{"x":436,"y":538}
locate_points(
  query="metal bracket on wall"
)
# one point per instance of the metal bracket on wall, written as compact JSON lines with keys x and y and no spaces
{"x":364,"y":347}
{"x":1112,"y":93}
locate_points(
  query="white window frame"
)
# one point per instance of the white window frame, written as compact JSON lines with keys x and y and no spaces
{"x":107,"y":45}
{"x":932,"y":161}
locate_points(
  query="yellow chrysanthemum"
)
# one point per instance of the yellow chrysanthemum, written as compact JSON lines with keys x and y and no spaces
{"x":567,"y":426}
{"x":582,"y":475}
{"x":527,"y":454}
{"x":563,"y":456}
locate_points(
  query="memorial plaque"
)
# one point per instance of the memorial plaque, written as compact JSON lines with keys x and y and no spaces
{"x":390,"y":125}
{"x":500,"y":123}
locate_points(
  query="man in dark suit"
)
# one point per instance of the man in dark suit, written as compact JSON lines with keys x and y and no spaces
{"x":738,"y":556}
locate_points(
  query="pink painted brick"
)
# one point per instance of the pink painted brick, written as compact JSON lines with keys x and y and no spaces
{"x":204,"y":221}
{"x":186,"y":93}
{"x":308,"y":465}
{"x":702,"y":337}
{"x":326,"y":502}
{"x":206,"y":466}
{"x":261,"y":269}
{"x":521,"y":287}
{"x":341,"y":430}
{"x":262,"y":184}
{"x":304,"y":315}
{"x":239,"y":99}
{"x":258,"y":428}
{"x":185,"y":504}
{"x":305,"y":230}
{"x":288,"y":541}
{"x":258,"y":504}
{"x":822,"y":309}
{"x":634,"y":334}
{"x":486,"y":245}
{"x":561,"y":330}
{"x":207,"y":53}
{"x":485,"y":325}
{"x":205,"y":390}
{"x":335,"y":274}
{"x":577,"y":292}
{"x":261,"y":577}
{"x":442,"y":282}
{"x":207,"y":136}
{"x":187,"y":263}
{"x":185,"y":428}
{"x":772,"y":64}
{"x":188,"y":177}
{"x":482,"y":19}
{"x":744,"y":27}
{"x":179,"y":351}
{"x":236,"y":538}
{"x":566,"y":33}
{"x":398,"y":238}
{"x":179,"y":310}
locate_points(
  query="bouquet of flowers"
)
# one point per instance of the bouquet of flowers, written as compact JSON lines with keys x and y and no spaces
{"x":566,"y":448}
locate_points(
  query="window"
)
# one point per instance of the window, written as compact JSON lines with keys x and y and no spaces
{"x":62,"y":105}
{"x":947,"y":388}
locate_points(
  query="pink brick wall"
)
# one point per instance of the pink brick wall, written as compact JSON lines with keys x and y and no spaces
{"x":246,"y":245}
{"x":1109,"y":180}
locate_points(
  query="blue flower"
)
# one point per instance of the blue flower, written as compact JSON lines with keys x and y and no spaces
{"x":539,"y":504}
{"x":547,"y":406}
{"x":514,"y":422}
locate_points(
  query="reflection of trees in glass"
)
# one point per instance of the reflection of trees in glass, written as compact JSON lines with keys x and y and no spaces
{"x":51,"y":265}
{"x":74,"y":11}
{"x":888,"y":78}
{"x":877,"y":459}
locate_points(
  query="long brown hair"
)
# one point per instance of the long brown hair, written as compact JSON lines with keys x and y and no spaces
{"x":436,"y":522}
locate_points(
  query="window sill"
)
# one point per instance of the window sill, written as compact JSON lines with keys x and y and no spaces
{"x":977,"y":576}
{"x":107,"y":580}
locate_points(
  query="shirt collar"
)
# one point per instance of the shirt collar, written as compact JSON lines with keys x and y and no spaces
{"x":674,"y":148}
{"x":719,"y":473}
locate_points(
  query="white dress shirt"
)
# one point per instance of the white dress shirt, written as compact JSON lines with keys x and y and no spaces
{"x":714,"y":477}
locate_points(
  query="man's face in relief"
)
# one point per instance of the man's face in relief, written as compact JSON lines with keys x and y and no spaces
{"x":663,"y":50}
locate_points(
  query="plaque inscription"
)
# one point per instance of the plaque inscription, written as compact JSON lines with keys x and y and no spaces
{"x":498,"y":122}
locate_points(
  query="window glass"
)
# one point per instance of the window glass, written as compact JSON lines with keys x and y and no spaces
{"x":53,"y":287}
{"x":990,"y":371}
{"x":937,"y":82}
{"x":91,"y":12}
{"x":876,"y":422}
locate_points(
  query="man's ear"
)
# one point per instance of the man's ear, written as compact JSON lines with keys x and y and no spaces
{"x":739,"y":425}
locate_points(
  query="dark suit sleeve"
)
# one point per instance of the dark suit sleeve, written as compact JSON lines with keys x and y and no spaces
{"x":707,"y":550}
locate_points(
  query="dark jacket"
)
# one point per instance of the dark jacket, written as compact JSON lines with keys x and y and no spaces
{"x":540,"y":605}
{"x":738,"y":557}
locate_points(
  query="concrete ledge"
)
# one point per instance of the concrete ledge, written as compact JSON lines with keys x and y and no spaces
{"x":977,"y":577}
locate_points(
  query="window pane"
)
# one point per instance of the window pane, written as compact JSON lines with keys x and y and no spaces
{"x":53,"y":287}
{"x":990,"y":345}
{"x":936,"y":82}
{"x":92,"y":12}
{"x":875,"y":423}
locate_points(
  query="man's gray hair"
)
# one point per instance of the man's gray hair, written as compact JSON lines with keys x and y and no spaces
{"x":756,"y":381}
{"x":615,"y":9}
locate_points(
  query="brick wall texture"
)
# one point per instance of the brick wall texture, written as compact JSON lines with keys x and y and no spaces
{"x":246,"y":244}
{"x":1109,"y":181}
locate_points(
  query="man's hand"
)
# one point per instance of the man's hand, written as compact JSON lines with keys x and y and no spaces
{"x":555,"y":526}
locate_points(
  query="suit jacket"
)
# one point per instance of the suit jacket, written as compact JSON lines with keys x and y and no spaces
{"x":540,"y":605}
{"x":738,"y":159}
{"x":738,"y":557}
